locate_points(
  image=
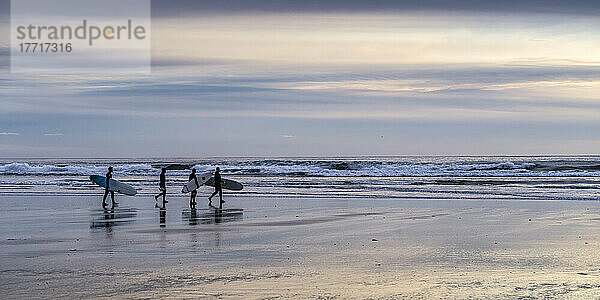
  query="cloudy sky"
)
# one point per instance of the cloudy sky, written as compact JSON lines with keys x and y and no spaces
{"x":305,"y":78}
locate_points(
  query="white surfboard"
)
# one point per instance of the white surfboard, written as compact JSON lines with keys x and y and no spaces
{"x":191,"y":185}
{"x":227,"y":184}
{"x":115,"y":185}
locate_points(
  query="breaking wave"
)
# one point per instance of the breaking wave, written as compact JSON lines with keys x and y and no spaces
{"x":17,"y":168}
{"x":339,"y":168}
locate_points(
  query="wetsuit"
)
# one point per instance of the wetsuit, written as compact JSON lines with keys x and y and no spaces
{"x":163,"y":187}
{"x":106,"y":190}
{"x":218,"y":189}
{"x":194,"y":192}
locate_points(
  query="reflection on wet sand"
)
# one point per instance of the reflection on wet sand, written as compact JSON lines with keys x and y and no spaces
{"x":109,"y":217}
{"x":163,"y":217}
{"x":212,"y":216}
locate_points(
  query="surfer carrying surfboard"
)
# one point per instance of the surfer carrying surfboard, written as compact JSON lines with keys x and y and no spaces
{"x":162,"y":185}
{"x":107,"y":188}
{"x":194,"y":192}
{"x":218,"y":188}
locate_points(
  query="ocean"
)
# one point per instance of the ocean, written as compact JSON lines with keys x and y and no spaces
{"x":407,"y":177}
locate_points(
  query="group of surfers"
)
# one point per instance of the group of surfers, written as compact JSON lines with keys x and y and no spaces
{"x":162,"y":185}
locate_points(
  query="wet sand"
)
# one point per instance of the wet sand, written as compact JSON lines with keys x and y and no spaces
{"x":267,"y":247}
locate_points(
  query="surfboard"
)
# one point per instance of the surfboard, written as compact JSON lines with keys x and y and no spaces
{"x":227,"y":184}
{"x":191,"y":185}
{"x":115,"y":185}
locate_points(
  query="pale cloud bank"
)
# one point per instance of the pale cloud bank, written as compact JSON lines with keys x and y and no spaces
{"x":8,"y":134}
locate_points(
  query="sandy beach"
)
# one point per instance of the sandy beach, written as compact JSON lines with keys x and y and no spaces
{"x":294,"y":247}
{"x":364,"y":149}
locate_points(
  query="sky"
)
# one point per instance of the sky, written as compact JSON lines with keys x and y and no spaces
{"x":339,"y":78}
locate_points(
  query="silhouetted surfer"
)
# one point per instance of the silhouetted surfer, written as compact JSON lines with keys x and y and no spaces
{"x":194,"y":192}
{"x":106,"y":190}
{"x":162,"y":185}
{"x":218,"y":188}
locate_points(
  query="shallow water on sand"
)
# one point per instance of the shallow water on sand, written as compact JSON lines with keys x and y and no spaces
{"x":366,"y":227}
{"x":261,"y":247}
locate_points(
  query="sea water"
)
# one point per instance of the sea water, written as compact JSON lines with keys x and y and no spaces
{"x":420,"y":177}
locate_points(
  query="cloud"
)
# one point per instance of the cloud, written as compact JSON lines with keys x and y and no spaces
{"x":170,"y":89}
{"x":373,"y":39}
{"x":346,"y":92}
{"x":8,"y":134}
{"x":163,"y":8}
{"x":164,"y":60}
{"x":332,"y":79}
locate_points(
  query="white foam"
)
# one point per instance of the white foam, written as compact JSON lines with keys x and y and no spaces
{"x":17,"y":168}
{"x":334,"y":168}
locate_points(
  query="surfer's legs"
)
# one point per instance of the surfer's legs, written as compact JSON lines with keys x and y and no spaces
{"x":193,"y":198}
{"x":104,"y":198}
{"x":112,"y":197}
{"x":211,"y":196}
{"x":221,"y":198}
{"x":163,"y":194}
